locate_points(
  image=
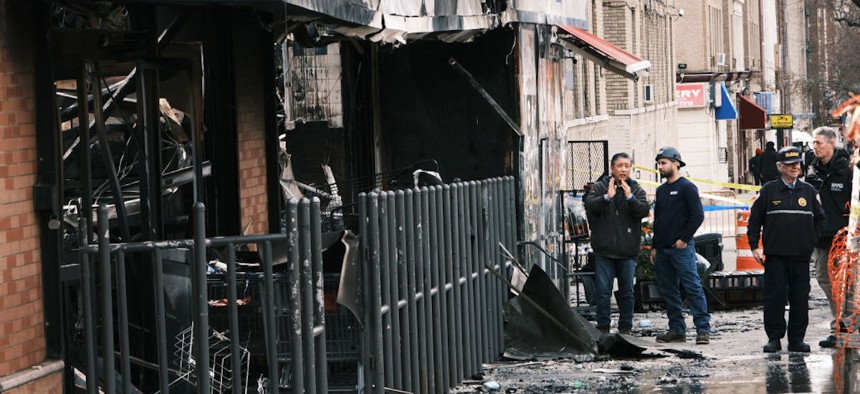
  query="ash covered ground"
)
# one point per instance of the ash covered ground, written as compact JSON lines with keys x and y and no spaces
{"x":733,"y":362}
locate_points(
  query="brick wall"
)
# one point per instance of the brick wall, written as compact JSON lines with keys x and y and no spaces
{"x":250,"y":121}
{"x":22,"y":342}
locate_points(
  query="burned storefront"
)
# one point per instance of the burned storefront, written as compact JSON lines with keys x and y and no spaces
{"x":320,"y":188}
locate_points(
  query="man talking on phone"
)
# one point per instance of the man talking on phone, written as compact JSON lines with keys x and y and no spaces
{"x":615,"y":208}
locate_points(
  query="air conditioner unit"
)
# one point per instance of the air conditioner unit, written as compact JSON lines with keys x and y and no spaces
{"x":648,"y":93}
{"x":721,"y":59}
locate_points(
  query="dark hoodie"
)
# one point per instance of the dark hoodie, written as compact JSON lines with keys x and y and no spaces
{"x":833,"y":182}
{"x":616,"y":225}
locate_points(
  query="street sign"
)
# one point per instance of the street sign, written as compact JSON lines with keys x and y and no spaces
{"x":781,"y":121}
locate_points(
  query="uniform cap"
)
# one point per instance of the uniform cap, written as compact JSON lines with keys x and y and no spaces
{"x":789,"y":155}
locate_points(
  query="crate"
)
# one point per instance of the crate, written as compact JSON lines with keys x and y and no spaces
{"x":738,"y":289}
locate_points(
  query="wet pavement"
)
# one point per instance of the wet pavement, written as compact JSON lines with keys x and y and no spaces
{"x":732,"y":363}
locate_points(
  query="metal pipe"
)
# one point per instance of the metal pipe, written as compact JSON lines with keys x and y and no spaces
{"x":160,"y":324}
{"x":106,"y":301}
{"x":307,"y":296}
{"x":319,"y":296}
{"x":201,"y":323}
{"x":377,"y":379}
{"x":122,"y":306}
{"x":86,"y":288}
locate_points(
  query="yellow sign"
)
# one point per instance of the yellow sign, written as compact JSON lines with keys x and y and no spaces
{"x":782,"y":121}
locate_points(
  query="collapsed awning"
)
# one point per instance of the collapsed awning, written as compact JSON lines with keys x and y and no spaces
{"x":725,"y":105}
{"x":752,"y":116}
{"x":602,"y":52}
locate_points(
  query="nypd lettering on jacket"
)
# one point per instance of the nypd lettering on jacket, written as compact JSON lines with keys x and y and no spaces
{"x":787,"y":220}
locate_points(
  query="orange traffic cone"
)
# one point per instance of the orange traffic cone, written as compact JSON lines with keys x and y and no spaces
{"x":745,"y":260}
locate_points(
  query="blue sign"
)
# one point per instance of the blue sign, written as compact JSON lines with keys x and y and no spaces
{"x":726,"y":110}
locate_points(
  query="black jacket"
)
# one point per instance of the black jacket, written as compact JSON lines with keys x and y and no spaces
{"x":833,"y":182}
{"x":616,"y":225}
{"x":792,"y":219}
{"x":767,"y":164}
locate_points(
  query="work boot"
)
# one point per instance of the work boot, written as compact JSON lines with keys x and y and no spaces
{"x":703,"y":338}
{"x":829,"y":342}
{"x":772,"y":346}
{"x":798,"y":347}
{"x":624,"y":330}
{"x":671,"y":336}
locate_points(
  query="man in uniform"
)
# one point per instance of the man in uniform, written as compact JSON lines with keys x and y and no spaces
{"x":678,"y":214}
{"x":830,"y":174}
{"x":615,"y":207}
{"x":792,"y":218}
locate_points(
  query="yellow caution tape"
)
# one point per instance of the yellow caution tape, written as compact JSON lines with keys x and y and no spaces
{"x":745,"y":203}
{"x":739,"y":186}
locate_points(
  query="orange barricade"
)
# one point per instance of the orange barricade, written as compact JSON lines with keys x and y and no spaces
{"x":745,"y":260}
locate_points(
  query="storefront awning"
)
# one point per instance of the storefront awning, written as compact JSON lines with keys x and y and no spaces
{"x":752,"y":116}
{"x":602,"y":52}
{"x":725,"y":105}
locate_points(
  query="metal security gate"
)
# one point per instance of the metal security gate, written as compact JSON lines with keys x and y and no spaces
{"x":290,"y":309}
{"x":587,"y":161}
{"x":433,"y":308}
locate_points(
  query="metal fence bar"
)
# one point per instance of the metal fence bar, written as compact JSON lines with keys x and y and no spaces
{"x":451,"y":288}
{"x":402,"y":286}
{"x":319,"y":298}
{"x":377,"y":380}
{"x":307,"y":297}
{"x":458,"y":236}
{"x":385,"y":290}
{"x":392,"y":269}
{"x":233,"y":320}
{"x":422,"y":295}
{"x":416,"y":362}
{"x":160,"y":324}
{"x":294,"y":300}
{"x":268,"y":301}
{"x":201,"y":307}
{"x":122,"y":306}
{"x":86,"y":288}
{"x":437,"y":291}
{"x":106,"y":300}
{"x":469,"y":274}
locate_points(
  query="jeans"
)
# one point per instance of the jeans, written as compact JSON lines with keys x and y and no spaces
{"x":605,"y":271}
{"x":678,"y":266}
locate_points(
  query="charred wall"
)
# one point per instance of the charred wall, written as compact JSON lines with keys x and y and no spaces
{"x":429,"y":111}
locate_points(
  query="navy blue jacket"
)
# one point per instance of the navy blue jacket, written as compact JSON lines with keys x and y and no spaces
{"x":616,"y":225}
{"x":792,"y":219}
{"x":678,"y":213}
